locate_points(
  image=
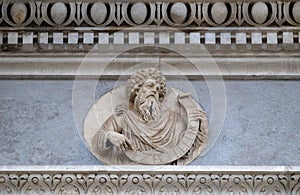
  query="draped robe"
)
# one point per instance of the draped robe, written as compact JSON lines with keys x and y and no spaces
{"x":158,"y":136}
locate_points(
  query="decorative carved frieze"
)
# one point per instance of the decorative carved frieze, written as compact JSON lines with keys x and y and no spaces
{"x":78,"y":25}
{"x":173,"y":14}
{"x":217,"y":40}
{"x":153,"y":180}
{"x":258,"y":29}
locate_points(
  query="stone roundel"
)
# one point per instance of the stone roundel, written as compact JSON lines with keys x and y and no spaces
{"x":138,"y":12}
{"x":219,"y":12}
{"x":296,"y":11}
{"x":98,"y":12}
{"x":259,"y":12}
{"x":58,"y":12}
{"x":2,"y":179}
{"x":18,"y":12}
{"x":178,"y":12}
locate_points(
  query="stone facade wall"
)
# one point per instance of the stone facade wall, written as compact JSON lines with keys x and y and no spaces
{"x":47,"y":46}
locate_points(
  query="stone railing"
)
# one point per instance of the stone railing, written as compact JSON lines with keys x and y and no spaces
{"x":149,"y":180}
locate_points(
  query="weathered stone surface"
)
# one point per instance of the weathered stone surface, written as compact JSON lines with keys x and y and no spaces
{"x":178,"y":12}
{"x":164,"y":38}
{"x":296,"y":11}
{"x":285,"y":14}
{"x":12,"y":38}
{"x":86,"y":180}
{"x":146,"y":122}
{"x":58,"y":12}
{"x":18,"y":12}
{"x":259,"y":12}
{"x":149,"y":38}
{"x":219,"y":12}
{"x":72,"y":38}
{"x":58,"y":38}
{"x":133,"y":38}
{"x":98,"y":12}
{"x":138,"y":12}
{"x":37,"y":127}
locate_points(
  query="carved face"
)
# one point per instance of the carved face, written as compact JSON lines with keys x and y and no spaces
{"x":150,"y":87}
{"x":147,"y":100}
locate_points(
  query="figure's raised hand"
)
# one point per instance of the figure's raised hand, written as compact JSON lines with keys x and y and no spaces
{"x":201,"y":116}
{"x":120,"y":141}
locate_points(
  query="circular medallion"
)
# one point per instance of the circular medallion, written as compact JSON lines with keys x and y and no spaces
{"x":175,"y":101}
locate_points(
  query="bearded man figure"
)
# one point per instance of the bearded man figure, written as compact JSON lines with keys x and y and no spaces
{"x":144,"y":128}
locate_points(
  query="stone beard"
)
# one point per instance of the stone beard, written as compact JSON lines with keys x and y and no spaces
{"x":148,"y":106}
{"x":144,"y":127}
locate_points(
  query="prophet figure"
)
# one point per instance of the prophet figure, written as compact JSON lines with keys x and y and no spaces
{"x":144,"y":133}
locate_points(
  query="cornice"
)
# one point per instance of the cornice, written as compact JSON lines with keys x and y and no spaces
{"x":227,"y":29}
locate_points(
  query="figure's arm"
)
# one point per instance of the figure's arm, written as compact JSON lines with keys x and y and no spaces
{"x":110,"y":133}
{"x":120,"y":141}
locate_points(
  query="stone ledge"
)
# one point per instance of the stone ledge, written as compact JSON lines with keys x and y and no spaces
{"x":279,"y":66}
{"x":149,"y":179}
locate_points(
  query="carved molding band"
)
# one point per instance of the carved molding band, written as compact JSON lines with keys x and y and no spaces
{"x":258,"y":29}
{"x":173,"y":14}
{"x":274,"y":40}
{"x":149,"y":180}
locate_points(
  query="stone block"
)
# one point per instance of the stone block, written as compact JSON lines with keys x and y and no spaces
{"x":88,"y":38}
{"x":272,"y":40}
{"x":210,"y":38}
{"x":225,"y":40}
{"x":58,"y":38}
{"x":195,"y":38}
{"x":179,"y":37}
{"x":241,"y":38}
{"x":164,"y":38}
{"x":149,"y":37}
{"x":288,"y":37}
{"x":28,"y":38}
{"x":288,"y":40}
{"x":73,"y":38}
{"x":256,"y":40}
{"x":133,"y":38}
{"x":43,"y":38}
{"x":119,"y":38}
{"x":12,"y":38}
{"x":103,"y":38}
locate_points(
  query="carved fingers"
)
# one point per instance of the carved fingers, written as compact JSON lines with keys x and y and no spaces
{"x":120,"y":141}
{"x":200,"y":115}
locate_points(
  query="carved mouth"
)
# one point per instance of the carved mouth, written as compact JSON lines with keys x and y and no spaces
{"x":150,"y":95}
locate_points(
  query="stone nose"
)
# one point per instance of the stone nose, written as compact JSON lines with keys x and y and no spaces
{"x":154,"y":91}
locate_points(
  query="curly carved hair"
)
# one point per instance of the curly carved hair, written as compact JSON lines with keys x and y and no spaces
{"x":138,"y":79}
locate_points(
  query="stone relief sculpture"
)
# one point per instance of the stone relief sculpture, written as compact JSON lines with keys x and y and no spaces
{"x":146,"y":131}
